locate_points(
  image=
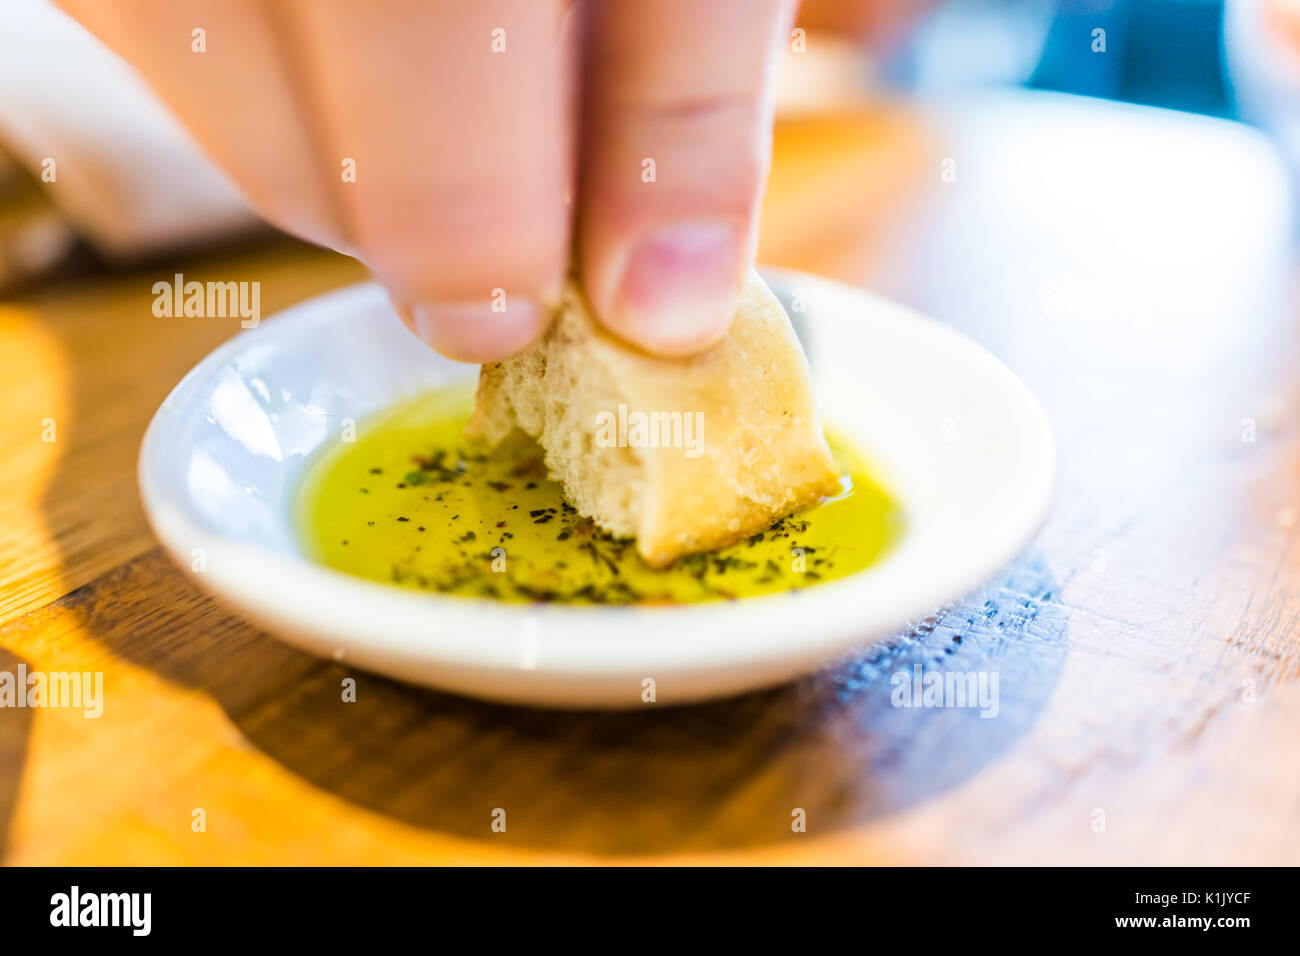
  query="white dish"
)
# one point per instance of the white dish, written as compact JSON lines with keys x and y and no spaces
{"x":951,"y":431}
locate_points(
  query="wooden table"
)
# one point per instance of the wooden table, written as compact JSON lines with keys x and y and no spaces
{"x":1135,"y":268}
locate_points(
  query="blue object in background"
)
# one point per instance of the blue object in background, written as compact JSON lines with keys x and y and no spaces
{"x":1158,"y":52}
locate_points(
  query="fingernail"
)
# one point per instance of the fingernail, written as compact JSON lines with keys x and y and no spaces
{"x":479,"y":331}
{"x":680,"y":289}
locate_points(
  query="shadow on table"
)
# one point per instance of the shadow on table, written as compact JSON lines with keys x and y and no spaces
{"x":15,"y":730}
{"x":706,"y":777}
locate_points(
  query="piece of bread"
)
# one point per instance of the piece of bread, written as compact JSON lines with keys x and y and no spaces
{"x":739,"y":442}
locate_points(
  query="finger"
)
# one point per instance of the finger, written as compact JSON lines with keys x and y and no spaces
{"x":676,"y":144}
{"x":455,"y":116}
{"x":218,"y":68}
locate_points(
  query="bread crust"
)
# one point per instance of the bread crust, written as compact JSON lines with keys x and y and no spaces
{"x":682,"y":454}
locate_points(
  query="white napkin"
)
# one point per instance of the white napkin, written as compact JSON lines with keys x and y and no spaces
{"x":125,"y":173}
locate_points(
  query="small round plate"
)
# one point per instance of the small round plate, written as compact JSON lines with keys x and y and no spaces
{"x":953,"y":434}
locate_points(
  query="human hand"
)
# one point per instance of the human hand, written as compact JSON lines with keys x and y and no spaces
{"x":439,"y":142}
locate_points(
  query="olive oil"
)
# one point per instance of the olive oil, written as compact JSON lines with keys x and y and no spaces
{"x":416,"y":503}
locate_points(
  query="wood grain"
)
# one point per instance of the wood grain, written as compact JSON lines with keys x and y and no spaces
{"x":1145,"y":645}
